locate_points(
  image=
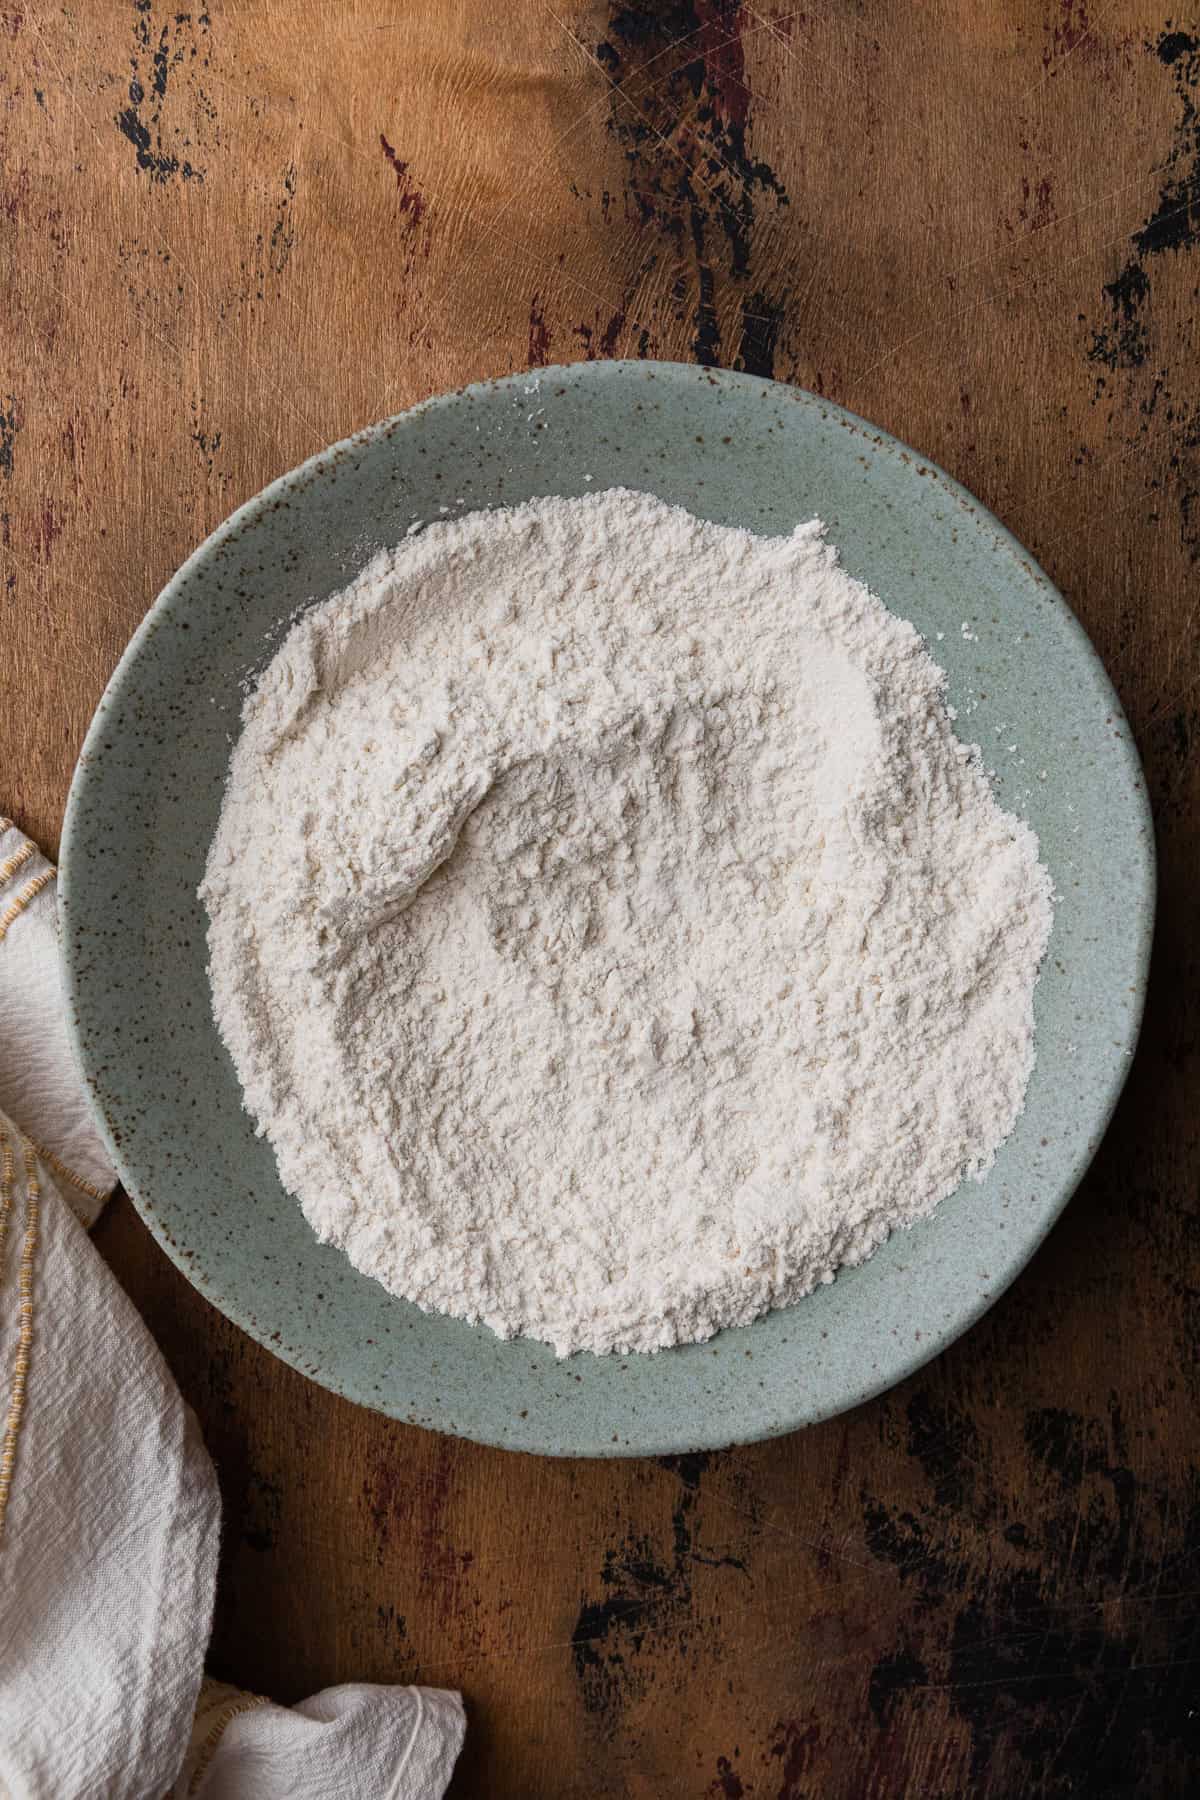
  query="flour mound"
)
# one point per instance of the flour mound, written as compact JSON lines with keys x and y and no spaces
{"x":610,"y":934}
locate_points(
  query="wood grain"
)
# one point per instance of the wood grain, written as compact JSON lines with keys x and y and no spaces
{"x":232,"y":235}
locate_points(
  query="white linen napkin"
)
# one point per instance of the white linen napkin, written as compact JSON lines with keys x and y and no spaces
{"x":109,"y":1512}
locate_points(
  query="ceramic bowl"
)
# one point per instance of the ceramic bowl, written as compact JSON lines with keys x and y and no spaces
{"x":147,"y":792}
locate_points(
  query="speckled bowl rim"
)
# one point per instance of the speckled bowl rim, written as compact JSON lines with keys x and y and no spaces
{"x":664,"y":1440}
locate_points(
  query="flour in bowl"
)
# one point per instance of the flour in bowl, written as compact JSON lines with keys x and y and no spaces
{"x":609,"y":931}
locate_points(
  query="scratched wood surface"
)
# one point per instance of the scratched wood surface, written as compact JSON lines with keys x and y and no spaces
{"x":230,"y":235}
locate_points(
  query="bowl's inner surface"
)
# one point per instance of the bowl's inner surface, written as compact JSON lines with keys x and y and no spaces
{"x":147,"y":795}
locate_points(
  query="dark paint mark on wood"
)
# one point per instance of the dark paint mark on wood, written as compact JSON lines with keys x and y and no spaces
{"x":1129,"y":340}
{"x":602,"y":338}
{"x":793,"y":1744}
{"x":15,"y":195}
{"x":724,"y":57}
{"x":10,"y":424}
{"x":901,"y":1539}
{"x":1070,"y":1693}
{"x":607,"y":345}
{"x":945,"y":1442}
{"x":50,"y":528}
{"x":640,"y":1589}
{"x":412,"y":201}
{"x":539,"y":334}
{"x":706,"y":345}
{"x":726,"y":1784}
{"x":689,"y":1466}
{"x":262,"y":1510}
{"x":648,"y":1599}
{"x":208,"y":444}
{"x":1037,"y":208}
{"x":140,"y":122}
{"x":1069,"y":28}
{"x":283,"y":233}
{"x":1040,"y":1662}
{"x":1174,"y":224}
{"x":417,"y":1507}
{"x":383,"y":1492}
{"x":891,"y":1679}
{"x":1123,"y":342}
{"x":691,"y":180}
{"x":762,"y":322}
{"x":392,"y":1629}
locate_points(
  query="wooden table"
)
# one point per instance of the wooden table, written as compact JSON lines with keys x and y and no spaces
{"x":232,"y":234}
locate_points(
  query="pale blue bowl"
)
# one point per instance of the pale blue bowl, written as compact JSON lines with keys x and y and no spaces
{"x":146,"y":795}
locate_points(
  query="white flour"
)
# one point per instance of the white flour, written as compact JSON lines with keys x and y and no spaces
{"x":609,"y":931}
